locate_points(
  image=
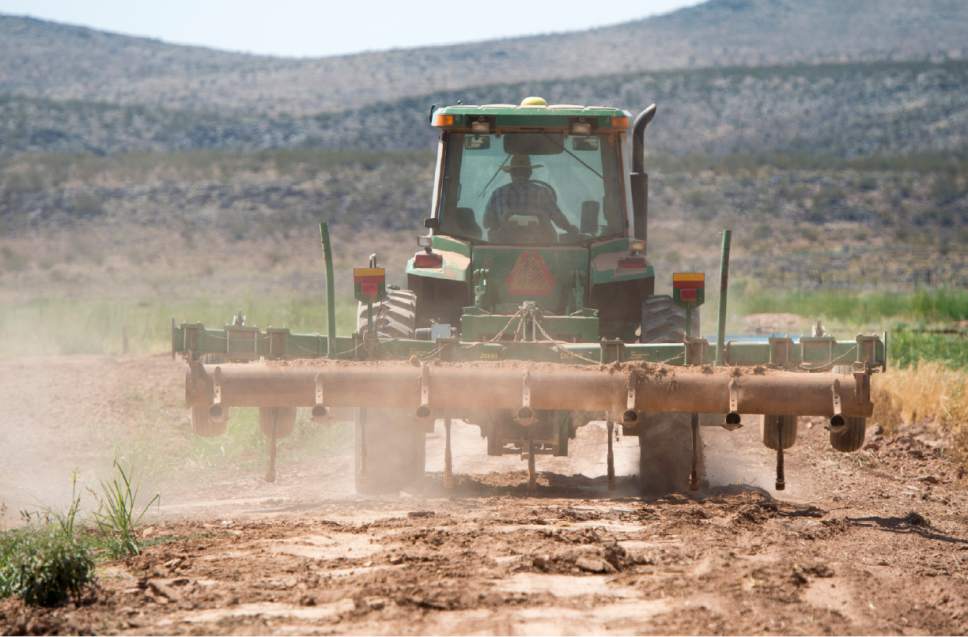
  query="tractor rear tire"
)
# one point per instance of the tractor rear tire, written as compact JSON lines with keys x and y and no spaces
{"x":769,"y":433}
{"x":390,"y":451}
{"x":665,"y":440}
{"x":394,"y":317}
{"x":664,"y":320}
{"x":852,"y":436}
{"x":283,"y":418}
{"x":665,"y":454}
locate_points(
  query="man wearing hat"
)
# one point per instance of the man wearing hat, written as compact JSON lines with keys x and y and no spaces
{"x":527,"y":198}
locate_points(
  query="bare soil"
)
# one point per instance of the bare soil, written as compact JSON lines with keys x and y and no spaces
{"x":871,"y":542}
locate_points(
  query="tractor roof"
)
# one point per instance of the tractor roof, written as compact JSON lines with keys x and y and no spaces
{"x":532,"y":112}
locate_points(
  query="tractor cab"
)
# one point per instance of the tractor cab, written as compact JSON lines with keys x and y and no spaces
{"x":530,"y":206}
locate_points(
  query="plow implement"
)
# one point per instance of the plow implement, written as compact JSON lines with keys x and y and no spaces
{"x":455,"y":390}
{"x":529,"y":310}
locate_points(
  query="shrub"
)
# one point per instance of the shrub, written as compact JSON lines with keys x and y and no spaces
{"x":44,"y":566}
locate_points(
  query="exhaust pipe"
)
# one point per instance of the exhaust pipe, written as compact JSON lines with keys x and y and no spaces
{"x":630,"y":417}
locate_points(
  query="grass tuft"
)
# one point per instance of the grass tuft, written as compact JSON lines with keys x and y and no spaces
{"x":117,"y":516}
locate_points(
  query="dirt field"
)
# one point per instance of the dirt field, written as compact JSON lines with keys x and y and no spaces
{"x":872,"y":542}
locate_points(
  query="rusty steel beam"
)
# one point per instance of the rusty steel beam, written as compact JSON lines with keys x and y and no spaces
{"x":456,"y":388}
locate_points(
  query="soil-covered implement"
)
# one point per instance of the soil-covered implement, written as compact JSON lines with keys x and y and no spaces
{"x":530,"y":311}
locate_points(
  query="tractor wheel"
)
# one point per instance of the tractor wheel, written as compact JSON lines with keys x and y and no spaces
{"x":390,"y":451}
{"x":664,"y":321}
{"x":665,"y":454}
{"x":852,"y":436}
{"x":769,"y":433}
{"x":283,"y":418}
{"x":205,"y":426}
{"x":394,"y":317}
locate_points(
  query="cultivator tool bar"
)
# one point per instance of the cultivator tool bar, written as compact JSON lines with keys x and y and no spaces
{"x":458,"y":390}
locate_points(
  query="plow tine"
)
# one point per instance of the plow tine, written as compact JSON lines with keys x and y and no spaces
{"x":532,"y":471}
{"x":610,"y":456}
{"x":448,"y":460}
{"x":696,"y":450}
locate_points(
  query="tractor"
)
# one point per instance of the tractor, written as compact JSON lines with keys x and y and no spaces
{"x":530,"y":310}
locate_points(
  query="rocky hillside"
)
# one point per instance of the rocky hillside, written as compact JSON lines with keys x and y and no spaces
{"x":844,"y":110}
{"x":48,"y":60}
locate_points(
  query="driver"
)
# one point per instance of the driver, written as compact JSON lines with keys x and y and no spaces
{"x":523,"y":196}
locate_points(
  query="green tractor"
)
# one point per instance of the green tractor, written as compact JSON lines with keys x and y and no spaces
{"x":530,"y":310}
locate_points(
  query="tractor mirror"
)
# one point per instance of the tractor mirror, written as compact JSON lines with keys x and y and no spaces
{"x":431,"y":222}
{"x":589,"y":217}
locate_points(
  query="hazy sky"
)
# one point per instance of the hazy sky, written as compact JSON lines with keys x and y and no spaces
{"x":309,"y":28}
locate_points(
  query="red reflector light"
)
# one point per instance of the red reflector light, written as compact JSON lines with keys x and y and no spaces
{"x":632,"y":262}
{"x":427,"y":260}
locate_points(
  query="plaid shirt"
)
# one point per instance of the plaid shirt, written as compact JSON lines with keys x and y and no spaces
{"x":524,"y":197}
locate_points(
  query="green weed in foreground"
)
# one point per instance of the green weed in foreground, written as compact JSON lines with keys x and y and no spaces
{"x":117,"y":514}
{"x":941,"y":305}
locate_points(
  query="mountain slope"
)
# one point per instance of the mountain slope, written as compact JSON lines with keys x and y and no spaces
{"x":43,"y":59}
{"x":845,"y":110}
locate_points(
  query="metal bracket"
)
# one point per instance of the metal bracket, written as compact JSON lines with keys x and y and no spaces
{"x":695,"y":348}
{"x":836,"y":396}
{"x":319,"y":406}
{"x":525,"y":416}
{"x":613,"y":350}
{"x":862,"y":386}
{"x":781,"y":351}
{"x":216,"y":411}
{"x":732,"y":421}
{"x":423,"y":411}
{"x":631,"y":415}
{"x":837,"y":422}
